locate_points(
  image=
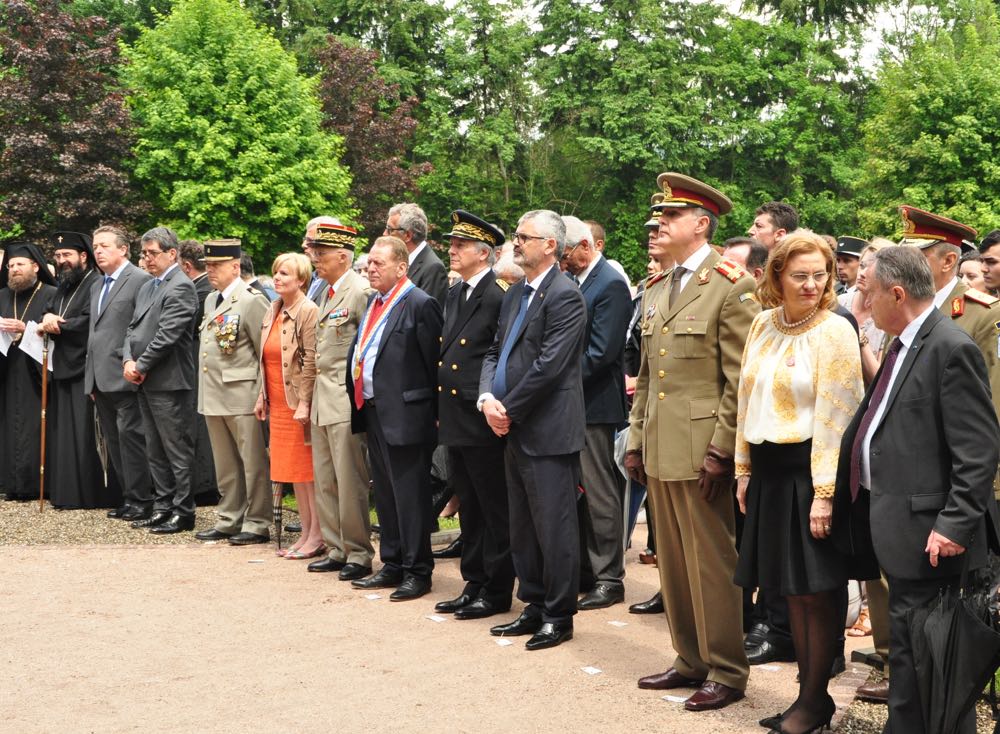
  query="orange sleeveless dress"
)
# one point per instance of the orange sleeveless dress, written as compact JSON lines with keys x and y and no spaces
{"x":291,"y":459}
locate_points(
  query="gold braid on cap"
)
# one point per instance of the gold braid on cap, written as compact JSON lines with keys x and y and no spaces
{"x":469,"y":231}
{"x":335,"y":239}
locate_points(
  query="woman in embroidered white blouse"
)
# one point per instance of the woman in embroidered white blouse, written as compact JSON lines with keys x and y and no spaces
{"x":800,"y":384}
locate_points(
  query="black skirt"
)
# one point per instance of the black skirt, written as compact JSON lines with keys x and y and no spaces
{"x":778,"y":551}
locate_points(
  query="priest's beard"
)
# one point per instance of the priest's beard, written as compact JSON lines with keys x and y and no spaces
{"x":20,"y":283}
{"x":69,"y":276}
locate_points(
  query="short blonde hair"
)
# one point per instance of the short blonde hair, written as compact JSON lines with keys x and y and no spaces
{"x":799,"y":242}
{"x":299,"y":264}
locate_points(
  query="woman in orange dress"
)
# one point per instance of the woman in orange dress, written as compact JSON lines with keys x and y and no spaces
{"x":288,"y":365}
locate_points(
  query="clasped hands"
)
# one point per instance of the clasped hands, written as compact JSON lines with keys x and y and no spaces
{"x":132,"y":374}
{"x":50,"y":324}
{"x":496,"y":417}
{"x":15,"y":326}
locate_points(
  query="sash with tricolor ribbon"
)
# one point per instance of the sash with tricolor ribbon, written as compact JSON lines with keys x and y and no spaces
{"x":369,"y":328}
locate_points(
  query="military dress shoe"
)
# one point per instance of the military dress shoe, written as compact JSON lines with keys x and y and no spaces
{"x":874,"y":692}
{"x":384,"y":579}
{"x":325,"y":565}
{"x":526,"y":624}
{"x":652,"y":606}
{"x":601,"y":596}
{"x":668,"y":680}
{"x":136,"y":513}
{"x":550,"y":634}
{"x":413,"y":587}
{"x":212,"y":534}
{"x":711,"y":696}
{"x":453,"y":605}
{"x":353,"y":572}
{"x":481,"y":608}
{"x":249,"y":539}
{"x":452,"y":550}
{"x":757,"y":634}
{"x":118,"y":512}
{"x":157,"y":517}
{"x":769,"y":652}
{"x":176,"y":524}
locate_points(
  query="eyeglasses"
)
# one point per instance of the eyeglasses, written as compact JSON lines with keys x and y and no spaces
{"x":389,"y":230}
{"x":151,"y":253}
{"x":801,"y":278}
{"x":521,"y":238}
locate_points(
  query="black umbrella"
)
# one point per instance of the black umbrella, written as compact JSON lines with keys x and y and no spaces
{"x":277,"y":496}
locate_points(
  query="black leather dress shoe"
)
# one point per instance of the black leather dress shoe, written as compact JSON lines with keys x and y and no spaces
{"x":212,"y":534}
{"x":384,"y":579}
{"x":601,"y":596}
{"x":119,"y":512}
{"x":249,"y":539}
{"x":453,"y":605}
{"x":453,"y":550}
{"x":413,"y":587}
{"x":757,"y":634}
{"x":769,"y":652}
{"x":550,"y":634}
{"x":481,"y":608}
{"x":651,"y":606}
{"x":176,"y":524}
{"x":353,"y":572}
{"x":156,"y":518}
{"x":526,"y":624}
{"x":668,"y":680}
{"x":136,"y":513}
{"x":325,"y":565}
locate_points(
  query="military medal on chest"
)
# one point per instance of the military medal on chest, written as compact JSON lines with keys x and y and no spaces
{"x":225,"y":327}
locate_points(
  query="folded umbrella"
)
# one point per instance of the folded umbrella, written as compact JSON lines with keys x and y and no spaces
{"x":277,"y":496}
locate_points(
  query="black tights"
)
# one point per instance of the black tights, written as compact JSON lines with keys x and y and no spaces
{"x":815,"y":624}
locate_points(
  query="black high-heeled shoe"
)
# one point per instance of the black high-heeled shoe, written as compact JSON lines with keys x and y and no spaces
{"x":772,"y":722}
{"x":825,"y":721}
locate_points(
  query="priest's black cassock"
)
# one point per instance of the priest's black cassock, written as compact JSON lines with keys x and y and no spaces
{"x":22,"y":396}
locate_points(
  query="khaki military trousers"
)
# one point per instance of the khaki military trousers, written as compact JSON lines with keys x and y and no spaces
{"x":696,"y":555}
{"x":341,"y":478}
{"x":243,"y":473}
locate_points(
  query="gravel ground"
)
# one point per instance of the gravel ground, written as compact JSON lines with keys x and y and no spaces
{"x":21,"y":524}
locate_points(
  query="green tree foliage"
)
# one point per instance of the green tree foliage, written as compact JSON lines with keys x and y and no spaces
{"x":932,"y":139}
{"x":65,"y":133}
{"x":229,"y":138}
{"x":131,"y":17}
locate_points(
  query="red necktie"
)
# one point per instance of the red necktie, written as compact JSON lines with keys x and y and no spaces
{"x":359,"y":398}
{"x":329,"y":292}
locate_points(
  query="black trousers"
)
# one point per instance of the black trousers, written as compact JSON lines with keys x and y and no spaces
{"x":121,"y":423}
{"x":401,"y":476}
{"x":544,"y":530}
{"x":479,"y":478}
{"x":905,"y":709}
{"x":167,"y":422}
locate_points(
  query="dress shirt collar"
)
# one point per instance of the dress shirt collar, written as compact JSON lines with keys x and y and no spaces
{"x":121,"y":269}
{"x":227,"y":292}
{"x":340,"y":281}
{"x":161,"y":279}
{"x":942,"y":295}
{"x":910,"y":332}
{"x":590,"y":268}
{"x":537,"y":282}
{"x":474,"y":280}
{"x":416,"y":251}
{"x":697,"y":258}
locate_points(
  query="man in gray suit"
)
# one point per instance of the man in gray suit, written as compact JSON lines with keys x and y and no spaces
{"x":115,"y":399}
{"x":409,"y":223}
{"x":157,"y":358}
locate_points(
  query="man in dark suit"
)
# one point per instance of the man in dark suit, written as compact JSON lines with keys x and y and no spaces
{"x":609,"y":305}
{"x":157,"y":358}
{"x":930,"y":490}
{"x":392,"y":381}
{"x":531,"y":391}
{"x":111,"y":306}
{"x":409,"y":223}
{"x":475,"y":453}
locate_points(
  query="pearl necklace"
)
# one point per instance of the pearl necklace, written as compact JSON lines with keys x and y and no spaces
{"x":800,"y":322}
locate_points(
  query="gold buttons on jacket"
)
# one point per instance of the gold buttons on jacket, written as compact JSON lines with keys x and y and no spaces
{"x":317,"y":370}
{"x":664,"y":330}
{"x":454,"y":391}
{"x":663,"y":352}
{"x":689,"y":330}
{"x":204,"y":369}
{"x":661,"y":374}
{"x":440,"y":388}
{"x":440,"y":364}
{"x":204,"y":354}
{"x":454,"y":367}
{"x":462,"y":342}
{"x":661,"y":395}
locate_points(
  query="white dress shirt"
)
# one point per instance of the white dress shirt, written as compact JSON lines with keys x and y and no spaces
{"x":694,"y":262}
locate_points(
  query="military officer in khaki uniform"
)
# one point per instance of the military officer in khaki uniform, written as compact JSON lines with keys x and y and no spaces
{"x":695,"y":321}
{"x":338,"y":455}
{"x":228,"y":384}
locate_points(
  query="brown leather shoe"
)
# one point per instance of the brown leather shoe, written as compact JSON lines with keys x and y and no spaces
{"x":668,"y":680}
{"x":712,"y":695}
{"x":874,"y":692}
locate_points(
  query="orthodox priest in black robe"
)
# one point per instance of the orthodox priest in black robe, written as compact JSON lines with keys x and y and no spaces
{"x":74,"y":475}
{"x":25,"y":291}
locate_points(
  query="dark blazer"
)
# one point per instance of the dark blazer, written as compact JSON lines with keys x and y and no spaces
{"x":465,"y":339}
{"x":544,"y":376}
{"x":107,"y":332}
{"x":609,"y":306}
{"x":933,"y":457}
{"x":159,"y":335}
{"x":429,"y":275}
{"x":405,"y":373}
{"x":201,"y":289}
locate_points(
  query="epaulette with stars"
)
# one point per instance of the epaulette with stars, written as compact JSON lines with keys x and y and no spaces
{"x":731,"y":270}
{"x":983,"y":299}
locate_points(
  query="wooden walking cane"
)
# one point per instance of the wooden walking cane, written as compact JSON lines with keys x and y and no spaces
{"x":45,"y":399}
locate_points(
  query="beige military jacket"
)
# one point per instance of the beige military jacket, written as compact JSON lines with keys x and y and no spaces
{"x":228,"y":352}
{"x":336,"y":326}
{"x":685,"y":395}
{"x":978,"y":314}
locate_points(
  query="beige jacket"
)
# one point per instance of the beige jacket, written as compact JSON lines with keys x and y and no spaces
{"x":298,"y":349}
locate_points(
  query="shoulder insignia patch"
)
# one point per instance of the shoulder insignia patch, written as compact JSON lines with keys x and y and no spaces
{"x":504,"y":285}
{"x":744,"y":297}
{"x":731,"y":270}
{"x":957,"y":307}
{"x":997,"y":325}
{"x":655,"y":278}
{"x":984,"y":299}
{"x":252,"y":291}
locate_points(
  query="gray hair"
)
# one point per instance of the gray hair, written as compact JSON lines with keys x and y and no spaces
{"x":943,"y":248}
{"x":906,"y":267}
{"x":507,"y":269}
{"x":492,"y":257}
{"x":411,"y":219}
{"x":165,"y":237}
{"x":577,"y":231}
{"x":548,"y":224}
